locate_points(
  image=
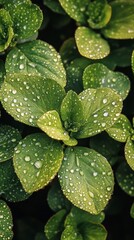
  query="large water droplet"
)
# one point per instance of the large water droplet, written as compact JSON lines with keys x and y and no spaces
{"x":27,"y":158}
{"x":38,"y":164}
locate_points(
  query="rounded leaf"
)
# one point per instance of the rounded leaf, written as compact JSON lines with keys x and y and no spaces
{"x":133,"y":61}
{"x":129,"y":152}
{"x":98,"y":75}
{"x":9,"y":138}
{"x":121,"y":25}
{"x":6,"y":222}
{"x":86,"y":179}
{"x":37,"y":159}
{"x":36,"y":57}
{"x":132,"y":211}
{"x":125,"y":178}
{"x":27,"y":97}
{"x":90,"y":44}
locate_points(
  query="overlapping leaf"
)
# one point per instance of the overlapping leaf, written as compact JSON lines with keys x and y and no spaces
{"x":86,"y":179}
{"x":6,"y":222}
{"x":37,"y":160}
{"x":129,"y":152}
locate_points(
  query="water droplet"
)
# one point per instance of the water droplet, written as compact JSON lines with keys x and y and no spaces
{"x":91,"y":194}
{"x":14,"y":91}
{"x":108,"y":189}
{"x":72,"y":171}
{"x":81,"y":173}
{"x":85,"y":154}
{"x":104,"y":100}
{"x":27,"y":158}
{"x":38,"y":164}
{"x":105,"y":114}
{"x":21,"y":67}
{"x":95,"y":174}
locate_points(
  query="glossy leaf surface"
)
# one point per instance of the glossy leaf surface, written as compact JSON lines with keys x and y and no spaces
{"x":86,"y":179}
{"x":37,"y":160}
{"x":6,"y":222}
{"x":129,"y":152}
{"x":94,"y":46}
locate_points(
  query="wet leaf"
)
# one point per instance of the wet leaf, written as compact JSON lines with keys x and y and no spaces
{"x":37,"y":160}
{"x":51,"y":124}
{"x":129,"y":152}
{"x":101,"y":108}
{"x":26,"y":17}
{"x":121,"y":25}
{"x":10,"y":186}
{"x":28,"y":97}
{"x":6,"y":222}
{"x":54,"y":5}
{"x":78,"y":216}
{"x":86,"y":179}
{"x":75,"y":9}
{"x":55,"y":198}
{"x":125,"y":178}
{"x":91,"y":231}
{"x":121,"y":130}
{"x":71,"y":112}
{"x":6,"y":29}
{"x":99,"y":13}
{"x":132,"y":211}
{"x":71,"y":233}
{"x":106,"y":146}
{"x":9,"y":138}
{"x":2,"y":72}
{"x":55,"y":225}
{"x":90,"y":44}
{"x":133,"y":61}
{"x":98,"y":75}
{"x":36,"y":58}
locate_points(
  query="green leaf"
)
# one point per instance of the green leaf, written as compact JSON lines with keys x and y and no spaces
{"x":54,"y":5}
{"x":37,"y":160}
{"x":10,"y":186}
{"x":75,"y":9}
{"x":129,"y":152}
{"x":86,"y":179}
{"x":27,"y":97}
{"x":71,"y":112}
{"x":74,"y":72}
{"x":55,"y":225}
{"x":132,"y":211}
{"x":55,"y":198}
{"x":6,"y":222}
{"x":2,"y":72}
{"x":71,"y":233}
{"x":94,"y":46}
{"x":78,"y":216}
{"x":71,"y":142}
{"x":106,"y":146}
{"x":99,"y":13}
{"x":91,"y":231}
{"x":125,"y":178}
{"x":121,"y":25}
{"x":26,"y":17}
{"x":6,"y":29}
{"x":9,"y":138}
{"x":36,"y":57}
{"x":98,"y":75}
{"x":121,"y":130}
{"x":132,"y":61}
{"x":101,"y":108}
{"x":51,"y":124}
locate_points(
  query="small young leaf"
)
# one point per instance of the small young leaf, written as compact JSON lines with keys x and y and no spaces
{"x":78,"y":216}
{"x":9,"y":138}
{"x":75,"y":9}
{"x":6,"y":29}
{"x":106,"y":146}
{"x":51,"y":124}
{"x":101,"y":109}
{"x":121,"y":129}
{"x":71,"y":112}
{"x":36,"y":57}
{"x":37,"y":160}
{"x":125,"y":178}
{"x":99,"y":13}
{"x":86,"y":179}
{"x":6,"y":222}
{"x":55,"y":198}
{"x":129,"y":152}
{"x":27,"y":97}
{"x":98,"y":75}
{"x":132,"y":211}
{"x":10,"y":186}
{"x":26,"y":17}
{"x":55,"y":225}
{"x":91,"y":231}
{"x":90,"y":44}
{"x":121,"y":25}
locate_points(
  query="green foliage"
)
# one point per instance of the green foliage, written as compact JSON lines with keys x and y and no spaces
{"x":66,"y":117}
